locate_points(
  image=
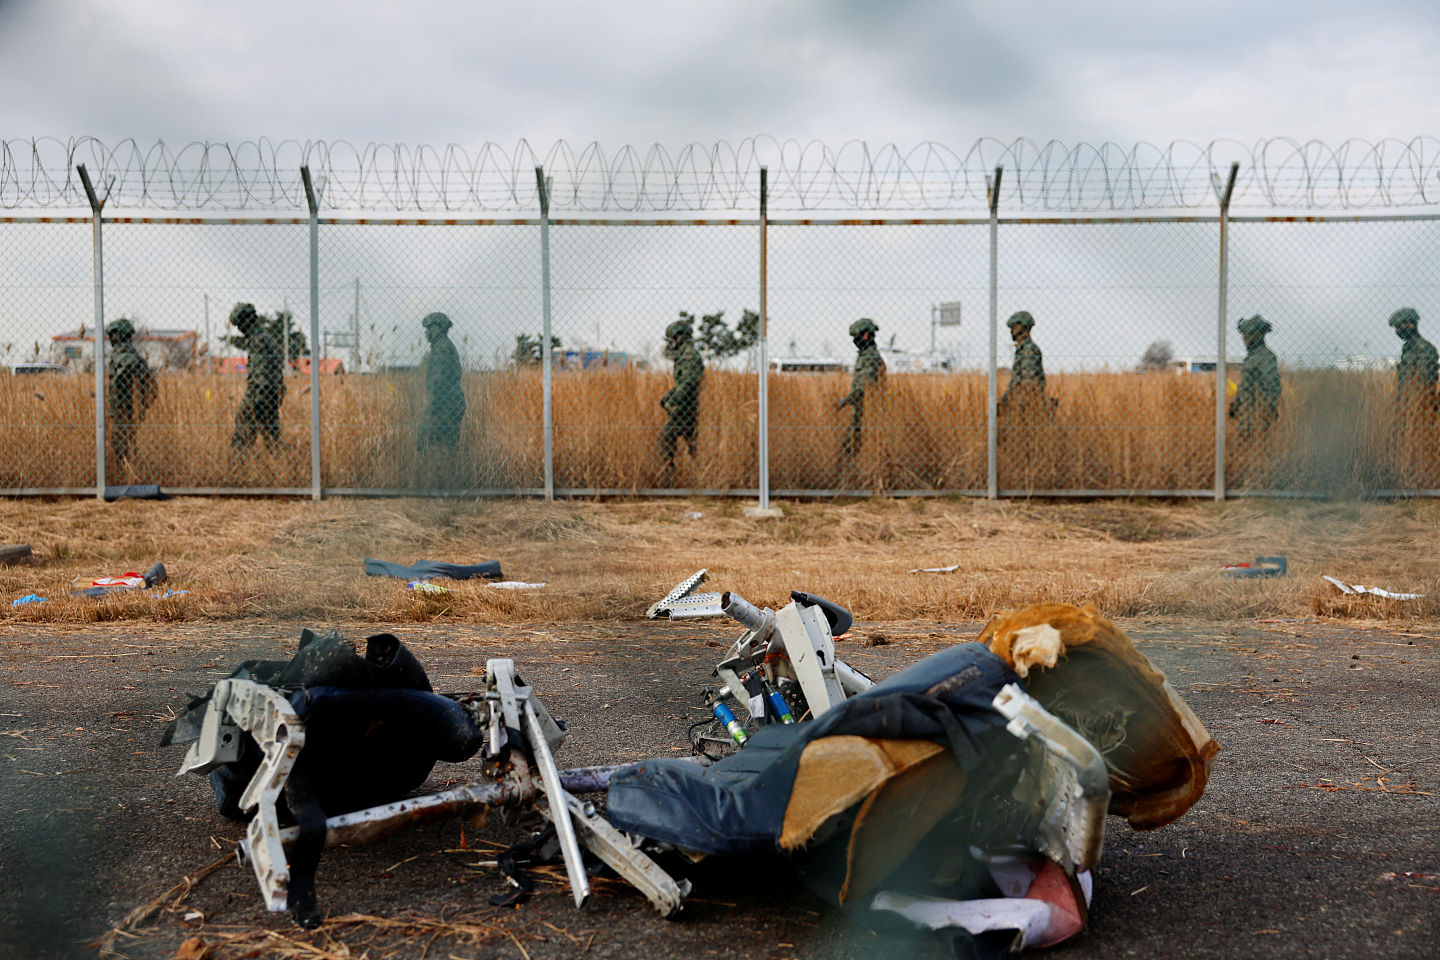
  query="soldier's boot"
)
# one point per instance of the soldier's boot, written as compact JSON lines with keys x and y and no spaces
{"x":669,"y":440}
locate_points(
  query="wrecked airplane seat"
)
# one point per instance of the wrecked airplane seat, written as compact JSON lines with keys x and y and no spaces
{"x":333,"y":743}
{"x":335,"y":731}
{"x":1086,"y":671}
{"x":901,"y":817}
{"x":905,"y":789}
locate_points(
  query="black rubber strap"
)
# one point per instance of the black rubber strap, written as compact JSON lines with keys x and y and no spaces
{"x":305,"y":853}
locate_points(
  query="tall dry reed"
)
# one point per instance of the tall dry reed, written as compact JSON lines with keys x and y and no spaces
{"x":1338,"y":431}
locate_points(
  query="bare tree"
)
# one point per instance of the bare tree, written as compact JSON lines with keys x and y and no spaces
{"x":1157,"y":356}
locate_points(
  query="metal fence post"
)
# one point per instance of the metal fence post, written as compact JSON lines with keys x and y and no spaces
{"x":764,"y":357}
{"x":313,"y":199}
{"x":1220,"y":360}
{"x":97,"y":203}
{"x":992,"y":427}
{"x":542,"y":186}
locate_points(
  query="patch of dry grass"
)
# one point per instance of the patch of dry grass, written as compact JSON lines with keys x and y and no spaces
{"x":301,"y":562}
{"x":341,"y":937}
{"x":1338,"y":430}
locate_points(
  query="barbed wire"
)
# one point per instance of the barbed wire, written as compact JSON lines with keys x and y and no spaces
{"x":808,"y":177}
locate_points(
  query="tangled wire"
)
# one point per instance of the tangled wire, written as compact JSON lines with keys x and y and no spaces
{"x":1049,"y":177}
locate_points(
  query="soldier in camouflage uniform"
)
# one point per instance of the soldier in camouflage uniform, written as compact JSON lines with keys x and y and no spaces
{"x":1413,"y":439}
{"x":869,"y":372}
{"x":1025,"y":394}
{"x":1257,"y":400}
{"x":132,"y":386}
{"x":446,"y":399}
{"x":682,"y":401}
{"x":1416,"y":374}
{"x":264,"y":381}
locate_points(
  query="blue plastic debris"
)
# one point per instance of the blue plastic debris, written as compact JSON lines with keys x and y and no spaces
{"x":30,"y":598}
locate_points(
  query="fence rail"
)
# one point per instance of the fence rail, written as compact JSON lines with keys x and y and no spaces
{"x":489,"y":408}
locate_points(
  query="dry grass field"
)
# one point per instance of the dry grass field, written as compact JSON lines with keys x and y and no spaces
{"x":300,"y":562}
{"x":1338,"y":433}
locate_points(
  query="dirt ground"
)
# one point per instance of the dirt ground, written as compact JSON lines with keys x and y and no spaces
{"x":1318,"y":836}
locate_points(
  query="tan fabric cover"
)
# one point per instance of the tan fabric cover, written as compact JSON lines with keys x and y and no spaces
{"x":835,"y":773}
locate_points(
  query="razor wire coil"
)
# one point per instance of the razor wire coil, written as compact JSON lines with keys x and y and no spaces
{"x":1042,"y":178}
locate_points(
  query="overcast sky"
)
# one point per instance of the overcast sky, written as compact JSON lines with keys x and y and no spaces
{"x":634,"y":72}
{"x":639,"y":73}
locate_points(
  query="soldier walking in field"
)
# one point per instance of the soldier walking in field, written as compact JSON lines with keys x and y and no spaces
{"x":1416,"y":374}
{"x":1256,"y":405}
{"x":264,"y":381}
{"x":445,"y":407}
{"x":132,"y":386}
{"x":1024,"y":395}
{"x":681,"y":401}
{"x":1414,"y":440}
{"x":869,"y":372}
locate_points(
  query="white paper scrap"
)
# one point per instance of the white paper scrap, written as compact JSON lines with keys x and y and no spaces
{"x":1374,"y":591}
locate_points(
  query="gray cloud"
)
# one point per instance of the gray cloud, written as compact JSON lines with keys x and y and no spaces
{"x":640,"y":72}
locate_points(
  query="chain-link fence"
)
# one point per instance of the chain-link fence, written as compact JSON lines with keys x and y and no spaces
{"x":1356,"y":407}
{"x":616,"y":288}
{"x":49,"y":419}
{"x":438,"y":393}
{"x":1124,"y":314}
{"x":563,"y":355}
{"x":836,"y":421}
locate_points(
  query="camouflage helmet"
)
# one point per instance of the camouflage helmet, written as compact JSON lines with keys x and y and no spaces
{"x":1255,"y":324}
{"x":243,"y":314}
{"x":863,"y":326}
{"x":1020,"y":318}
{"x":436,"y":319}
{"x":679,"y":330}
{"x":1404,"y":315}
{"x":121,"y":329}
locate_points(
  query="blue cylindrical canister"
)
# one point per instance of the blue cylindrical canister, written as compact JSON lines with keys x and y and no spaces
{"x":780,"y":708}
{"x":727,"y":716}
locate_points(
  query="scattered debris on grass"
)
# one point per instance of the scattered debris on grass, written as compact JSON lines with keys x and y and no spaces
{"x":1355,"y":588}
{"x":12,"y":553}
{"x":1262,"y":567}
{"x":950,"y":569}
{"x":432,"y":570}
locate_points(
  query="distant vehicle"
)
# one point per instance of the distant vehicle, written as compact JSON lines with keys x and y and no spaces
{"x":808,"y":365}
{"x":1193,"y":365}
{"x":1367,"y":363}
{"x":31,"y":368}
{"x":906,"y":361}
{"x":588,"y":358}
